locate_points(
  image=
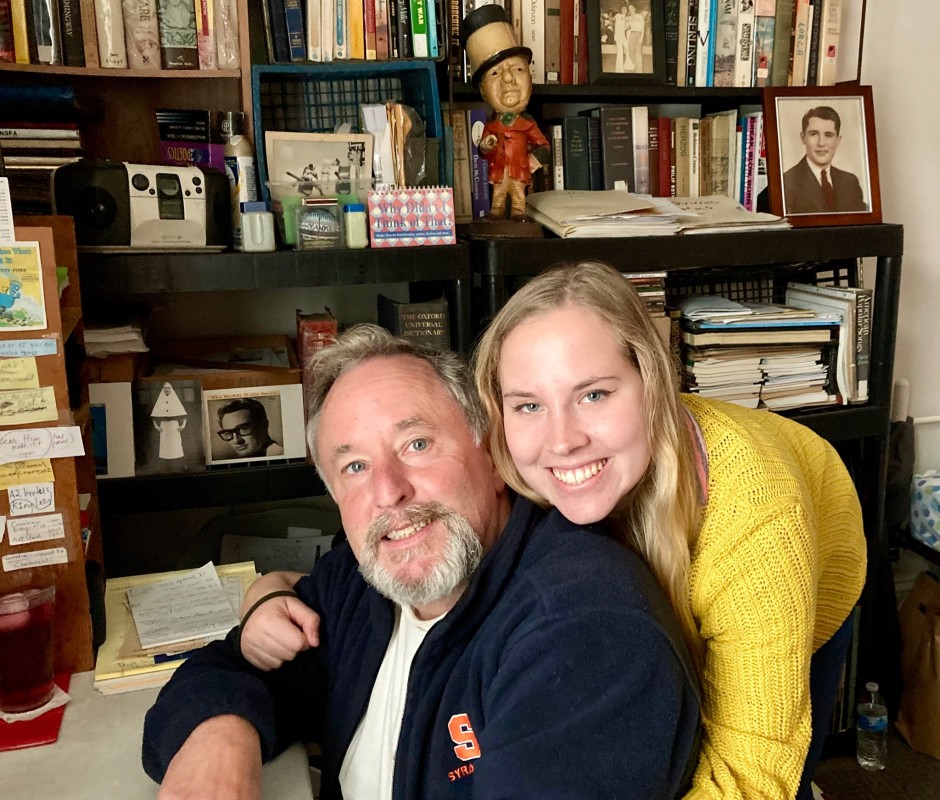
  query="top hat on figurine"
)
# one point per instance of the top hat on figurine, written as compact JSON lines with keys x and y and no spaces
{"x":487,"y":38}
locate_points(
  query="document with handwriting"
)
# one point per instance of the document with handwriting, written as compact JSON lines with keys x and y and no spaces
{"x":186,"y":607}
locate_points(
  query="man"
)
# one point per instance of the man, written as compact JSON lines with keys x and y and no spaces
{"x":512,"y":143}
{"x":813,"y":185}
{"x":469,"y":645}
{"x":243,"y":426}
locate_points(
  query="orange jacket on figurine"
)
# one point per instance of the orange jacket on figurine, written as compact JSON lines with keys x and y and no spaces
{"x":513,"y":145}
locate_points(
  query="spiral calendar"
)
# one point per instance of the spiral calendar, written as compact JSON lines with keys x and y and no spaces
{"x":411,"y":217}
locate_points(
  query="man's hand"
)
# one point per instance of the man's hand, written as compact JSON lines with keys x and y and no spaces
{"x":221,"y":760}
{"x":277,"y":631}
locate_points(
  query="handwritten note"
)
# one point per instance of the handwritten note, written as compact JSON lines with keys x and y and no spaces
{"x":36,"y":558}
{"x":36,"y":529}
{"x":20,"y":472}
{"x":21,"y":348}
{"x":186,"y":607}
{"x":31,"y":443}
{"x":19,"y":373}
{"x":28,"y":405}
{"x":32,"y":498}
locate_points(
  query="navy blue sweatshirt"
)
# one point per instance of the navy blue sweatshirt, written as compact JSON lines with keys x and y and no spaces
{"x":560,"y":673}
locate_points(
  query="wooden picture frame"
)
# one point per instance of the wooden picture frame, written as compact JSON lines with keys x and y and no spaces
{"x":626,"y":41}
{"x":845,"y":138}
{"x":283,"y":410}
{"x":318,"y":164}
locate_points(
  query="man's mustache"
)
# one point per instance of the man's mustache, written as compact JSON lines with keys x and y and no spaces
{"x":418,"y":513}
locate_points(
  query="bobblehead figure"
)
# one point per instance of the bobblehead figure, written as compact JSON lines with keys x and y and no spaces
{"x":512,"y":143}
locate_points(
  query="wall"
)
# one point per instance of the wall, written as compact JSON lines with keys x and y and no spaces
{"x":897,"y":63}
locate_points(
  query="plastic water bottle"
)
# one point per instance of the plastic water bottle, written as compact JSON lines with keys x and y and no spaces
{"x":872,"y":730}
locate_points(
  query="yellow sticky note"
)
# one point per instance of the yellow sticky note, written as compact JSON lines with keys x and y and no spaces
{"x":18,"y":373}
{"x":28,"y":405}
{"x":18,"y":473}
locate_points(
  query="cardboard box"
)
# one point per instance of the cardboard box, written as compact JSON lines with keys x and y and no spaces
{"x":226,"y":362}
{"x":117,"y":368}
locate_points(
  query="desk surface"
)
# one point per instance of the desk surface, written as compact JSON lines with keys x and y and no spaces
{"x":98,"y":754}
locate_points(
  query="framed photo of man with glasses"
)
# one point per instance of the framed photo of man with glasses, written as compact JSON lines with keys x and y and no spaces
{"x":822,"y":165}
{"x":263,"y":423}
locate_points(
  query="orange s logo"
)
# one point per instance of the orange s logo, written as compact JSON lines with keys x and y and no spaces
{"x":461,"y":732}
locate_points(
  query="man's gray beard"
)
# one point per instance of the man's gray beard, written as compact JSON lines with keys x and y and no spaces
{"x":462,"y":554}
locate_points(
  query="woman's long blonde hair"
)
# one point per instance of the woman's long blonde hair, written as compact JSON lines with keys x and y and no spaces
{"x":659,"y":517}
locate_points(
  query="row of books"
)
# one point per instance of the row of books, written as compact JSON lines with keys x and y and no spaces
{"x":749,"y":43}
{"x":336,"y":30}
{"x":744,"y":43}
{"x":624,"y":147}
{"x":556,"y":31}
{"x":30,"y":151}
{"x":813,"y":350}
{"x":121,"y":34}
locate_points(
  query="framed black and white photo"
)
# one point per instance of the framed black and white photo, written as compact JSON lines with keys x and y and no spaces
{"x":318,"y":164}
{"x":822,"y":164}
{"x":626,"y":41}
{"x":250,"y":424}
{"x":167,"y":426}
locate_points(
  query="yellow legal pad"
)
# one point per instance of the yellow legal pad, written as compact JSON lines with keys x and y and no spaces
{"x":122,"y":665}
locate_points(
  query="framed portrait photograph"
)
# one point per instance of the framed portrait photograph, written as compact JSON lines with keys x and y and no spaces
{"x":822,"y":164}
{"x":167,"y":418}
{"x":251,"y":424}
{"x":626,"y":41}
{"x":318,"y":164}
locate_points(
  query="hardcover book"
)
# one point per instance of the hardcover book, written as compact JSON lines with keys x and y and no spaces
{"x":616,"y":140}
{"x":744,"y":55}
{"x":206,"y":52}
{"x":276,"y":25}
{"x":294,"y":20}
{"x":426,"y":323}
{"x":45,"y":40}
{"x":109,"y":19}
{"x":419,"y":28}
{"x":552,"y":41}
{"x":577,"y":157}
{"x":783,"y":30}
{"x":726,"y":34}
{"x":177,"y":37}
{"x":479,"y":166}
{"x":73,"y":45}
{"x":142,"y":34}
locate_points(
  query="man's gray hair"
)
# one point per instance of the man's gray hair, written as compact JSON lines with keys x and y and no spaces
{"x":364,"y":342}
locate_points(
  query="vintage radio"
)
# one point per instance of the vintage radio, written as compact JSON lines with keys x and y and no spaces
{"x":144,"y":205}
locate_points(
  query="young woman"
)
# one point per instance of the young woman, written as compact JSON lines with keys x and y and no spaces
{"x":749,"y":520}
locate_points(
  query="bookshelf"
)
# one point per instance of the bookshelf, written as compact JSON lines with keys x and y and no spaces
{"x":64,"y":561}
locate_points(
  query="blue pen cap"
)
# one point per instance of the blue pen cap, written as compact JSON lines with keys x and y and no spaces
{"x":354,"y":207}
{"x":253,"y":205}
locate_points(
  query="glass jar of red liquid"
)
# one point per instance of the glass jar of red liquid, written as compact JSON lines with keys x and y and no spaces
{"x":26,"y":676}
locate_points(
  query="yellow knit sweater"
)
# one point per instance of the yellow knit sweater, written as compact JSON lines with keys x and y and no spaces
{"x":778,"y":565}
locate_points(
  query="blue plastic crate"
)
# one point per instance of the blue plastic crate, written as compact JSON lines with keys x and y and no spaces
{"x":315,"y":98}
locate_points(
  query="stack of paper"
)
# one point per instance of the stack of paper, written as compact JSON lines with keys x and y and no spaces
{"x":104,"y":340}
{"x":721,"y":214}
{"x":575,"y":214}
{"x":175,"y":613}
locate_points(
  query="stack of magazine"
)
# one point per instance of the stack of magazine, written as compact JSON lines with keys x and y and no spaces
{"x":759,"y":355}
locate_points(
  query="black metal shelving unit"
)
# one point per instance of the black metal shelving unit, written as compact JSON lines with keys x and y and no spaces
{"x":113,"y":276}
{"x":860,"y":433}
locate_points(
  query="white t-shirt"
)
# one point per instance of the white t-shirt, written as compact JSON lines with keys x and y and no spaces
{"x":369,"y":764}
